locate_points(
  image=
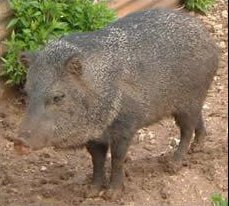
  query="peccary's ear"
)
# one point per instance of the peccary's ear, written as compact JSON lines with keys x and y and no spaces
{"x":74,"y":66}
{"x":27,"y":58}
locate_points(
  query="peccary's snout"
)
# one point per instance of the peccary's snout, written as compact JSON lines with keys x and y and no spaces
{"x":25,"y":134}
{"x":20,"y":146}
{"x":34,"y":134}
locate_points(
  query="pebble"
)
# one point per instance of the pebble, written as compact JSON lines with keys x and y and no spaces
{"x":225,"y":14}
{"x":174,"y":142}
{"x":218,"y":27}
{"x":205,"y":106}
{"x":222,"y":44}
{"x":43,"y":168}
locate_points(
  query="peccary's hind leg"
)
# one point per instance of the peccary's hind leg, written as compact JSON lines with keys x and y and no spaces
{"x":98,"y":150}
{"x":200,"y":133}
{"x":187,"y":124}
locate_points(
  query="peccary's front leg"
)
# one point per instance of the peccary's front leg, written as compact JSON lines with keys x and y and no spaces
{"x":122,"y":131}
{"x":98,"y":151}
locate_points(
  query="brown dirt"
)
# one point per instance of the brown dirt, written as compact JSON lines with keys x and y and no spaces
{"x":124,"y":7}
{"x":57,"y":178}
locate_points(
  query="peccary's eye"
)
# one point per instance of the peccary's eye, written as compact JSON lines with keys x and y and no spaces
{"x":58,"y":98}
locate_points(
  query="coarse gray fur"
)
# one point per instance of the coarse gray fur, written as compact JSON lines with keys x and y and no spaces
{"x":110,"y":83}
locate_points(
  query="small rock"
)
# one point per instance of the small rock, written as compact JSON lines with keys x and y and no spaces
{"x":185,"y":164}
{"x":212,"y":17}
{"x":219,"y":88}
{"x":128,"y":158}
{"x":205,"y":106}
{"x":129,"y":204}
{"x":45,"y":155}
{"x":6,"y":180}
{"x":13,"y":190}
{"x":43,"y":168}
{"x":222,"y":44}
{"x":216,"y":78}
{"x":147,"y":148}
{"x":164,"y":194}
{"x":174,"y":142}
{"x":152,"y":141}
{"x":2,"y":115}
{"x":218,"y":27}
{"x":224,"y":14}
{"x":43,"y":181}
{"x":192,"y":13}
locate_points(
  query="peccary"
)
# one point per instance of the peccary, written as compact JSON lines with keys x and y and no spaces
{"x":97,"y":89}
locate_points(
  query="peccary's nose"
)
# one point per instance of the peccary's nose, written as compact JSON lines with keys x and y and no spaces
{"x":19,"y":141}
{"x":21,"y":147}
{"x":25,"y":134}
{"x":21,"y":138}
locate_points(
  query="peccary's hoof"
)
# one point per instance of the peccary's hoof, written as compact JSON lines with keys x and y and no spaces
{"x":169,"y":164}
{"x":93,"y":191}
{"x":112,"y":194}
{"x":196,"y":147}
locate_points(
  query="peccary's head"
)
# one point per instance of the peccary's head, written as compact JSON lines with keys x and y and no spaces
{"x":63,"y":108}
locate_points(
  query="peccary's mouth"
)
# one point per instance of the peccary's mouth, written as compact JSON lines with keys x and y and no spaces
{"x":69,"y":147}
{"x":24,"y":146}
{"x":21,"y":147}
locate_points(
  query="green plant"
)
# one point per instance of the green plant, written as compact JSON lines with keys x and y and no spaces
{"x":37,"y":21}
{"x":218,"y":200}
{"x":199,"y":5}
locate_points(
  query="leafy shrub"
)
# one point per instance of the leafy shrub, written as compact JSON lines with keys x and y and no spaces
{"x":199,"y":5}
{"x":218,"y":200}
{"x":36,"y":21}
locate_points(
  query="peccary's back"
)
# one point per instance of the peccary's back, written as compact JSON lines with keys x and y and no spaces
{"x":162,"y":61}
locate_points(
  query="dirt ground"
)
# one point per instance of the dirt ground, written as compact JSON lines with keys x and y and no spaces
{"x":57,"y":178}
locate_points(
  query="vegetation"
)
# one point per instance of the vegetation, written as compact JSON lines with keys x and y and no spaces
{"x":37,"y":21}
{"x":218,"y":200}
{"x":199,"y":5}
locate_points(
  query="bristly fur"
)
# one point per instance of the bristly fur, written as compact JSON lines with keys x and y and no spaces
{"x":140,"y":69}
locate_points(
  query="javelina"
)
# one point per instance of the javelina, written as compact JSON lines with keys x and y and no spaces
{"x":99,"y":88}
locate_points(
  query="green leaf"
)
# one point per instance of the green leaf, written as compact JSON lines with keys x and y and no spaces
{"x":36,"y":21}
{"x":218,"y":200}
{"x":199,"y":5}
{"x":9,"y":81}
{"x":3,"y":59}
{"x":12,"y":23}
